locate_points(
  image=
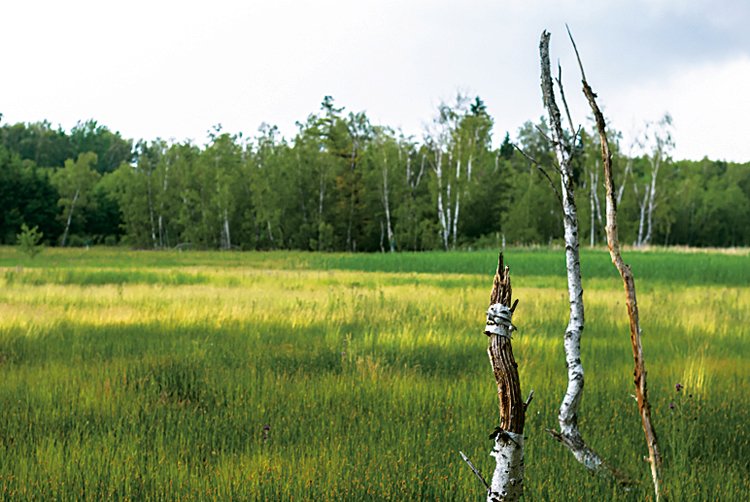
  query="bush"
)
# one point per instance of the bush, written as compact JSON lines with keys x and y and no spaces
{"x":29,"y":240}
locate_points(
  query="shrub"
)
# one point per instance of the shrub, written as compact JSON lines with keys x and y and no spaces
{"x":29,"y":241}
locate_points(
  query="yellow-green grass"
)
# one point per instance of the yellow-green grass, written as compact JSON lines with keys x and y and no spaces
{"x":145,"y":375}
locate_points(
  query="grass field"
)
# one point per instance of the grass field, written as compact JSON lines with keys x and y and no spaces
{"x":298,"y":376}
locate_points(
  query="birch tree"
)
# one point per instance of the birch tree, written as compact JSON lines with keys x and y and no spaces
{"x":569,"y":433}
{"x":438,"y":140}
{"x":74,"y":182}
{"x":657,"y":140}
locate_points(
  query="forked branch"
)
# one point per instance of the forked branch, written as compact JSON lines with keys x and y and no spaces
{"x":569,"y":434}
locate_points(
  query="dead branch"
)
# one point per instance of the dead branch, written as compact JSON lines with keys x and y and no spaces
{"x":539,"y":167}
{"x":628,"y":281}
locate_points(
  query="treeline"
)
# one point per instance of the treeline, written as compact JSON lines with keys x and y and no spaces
{"x":343,"y":183}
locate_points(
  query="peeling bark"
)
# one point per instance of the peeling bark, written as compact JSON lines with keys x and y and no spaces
{"x":613,"y":243}
{"x":507,"y":479}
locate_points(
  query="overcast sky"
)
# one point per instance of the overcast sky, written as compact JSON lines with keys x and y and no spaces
{"x":172,"y":69}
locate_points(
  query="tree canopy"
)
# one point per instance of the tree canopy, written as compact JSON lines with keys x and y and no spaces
{"x":344,"y":183}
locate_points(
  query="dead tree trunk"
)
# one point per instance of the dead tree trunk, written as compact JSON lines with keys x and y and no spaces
{"x":629,"y":282}
{"x":569,"y":433}
{"x":507,"y":478}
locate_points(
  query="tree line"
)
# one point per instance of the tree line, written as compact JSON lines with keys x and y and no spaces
{"x":343,"y":183}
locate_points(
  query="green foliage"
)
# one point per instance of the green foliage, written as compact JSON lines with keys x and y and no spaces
{"x":75,"y":183}
{"x":343,"y":183}
{"x":29,"y":241}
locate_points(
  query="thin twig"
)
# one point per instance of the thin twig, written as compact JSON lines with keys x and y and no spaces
{"x":565,"y":102}
{"x":528,"y":399}
{"x":540,"y":131}
{"x":474,"y":469}
{"x":541,"y":169}
{"x":578,"y":56}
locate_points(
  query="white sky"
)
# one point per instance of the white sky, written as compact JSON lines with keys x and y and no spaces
{"x":173,"y":69}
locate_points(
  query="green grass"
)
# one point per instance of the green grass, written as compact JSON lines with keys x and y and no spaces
{"x":153,"y":375}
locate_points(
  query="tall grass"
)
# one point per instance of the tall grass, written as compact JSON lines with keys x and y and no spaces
{"x":282,"y":376}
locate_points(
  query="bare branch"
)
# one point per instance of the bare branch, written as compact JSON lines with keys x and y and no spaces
{"x":578,"y":56}
{"x":475,"y":470}
{"x":613,"y":243}
{"x":541,"y":170}
{"x":565,"y":102}
{"x":569,"y":408}
{"x":540,"y":131}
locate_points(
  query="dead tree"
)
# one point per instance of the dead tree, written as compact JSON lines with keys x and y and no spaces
{"x":569,"y":434}
{"x":629,"y":282}
{"x":507,"y":478}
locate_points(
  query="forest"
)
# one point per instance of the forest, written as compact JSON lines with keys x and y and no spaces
{"x":343,"y":183}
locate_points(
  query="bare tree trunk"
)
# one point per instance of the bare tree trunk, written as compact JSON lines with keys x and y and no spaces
{"x":621,"y":191}
{"x":613,"y":243}
{"x":592,"y":189}
{"x":154,"y":242}
{"x":444,"y":223}
{"x":569,"y":433}
{"x":597,"y":205}
{"x":642,"y":206}
{"x":270,"y":232}
{"x":455,"y":217}
{"x":70,"y":217}
{"x":386,"y":206}
{"x":651,"y":197}
{"x":507,"y":478}
{"x":226,"y":237}
{"x":457,"y":204}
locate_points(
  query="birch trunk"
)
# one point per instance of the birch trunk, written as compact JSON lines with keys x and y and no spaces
{"x":592,"y":189}
{"x":613,"y":243}
{"x":651,"y":199}
{"x":507,"y":478}
{"x":227,"y":239}
{"x":444,"y":224}
{"x":151,"y":208}
{"x":70,"y":217}
{"x":642,"y":206}
{"x":569,"y":433}
{"x":386,"y":206}
{"x":621,"y":191}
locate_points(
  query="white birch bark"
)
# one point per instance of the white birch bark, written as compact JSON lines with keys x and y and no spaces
{"x":628,"y":168}
{"x":386,"y":205}
{"x":70,"y":216}
{"x":569,"y":433}
{"x":642,"y":219}
{"x":592,"y":188}
{"x":651,"y":198}
{"x":225,"y":231}
{"x":507,"y":478}
{"x":440,"y":206}
{"x":150,"y":196}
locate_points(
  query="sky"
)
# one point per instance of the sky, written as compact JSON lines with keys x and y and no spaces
{"x":174,"y":69}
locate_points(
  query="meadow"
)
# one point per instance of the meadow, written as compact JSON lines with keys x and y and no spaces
{"x":135,"y":375}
